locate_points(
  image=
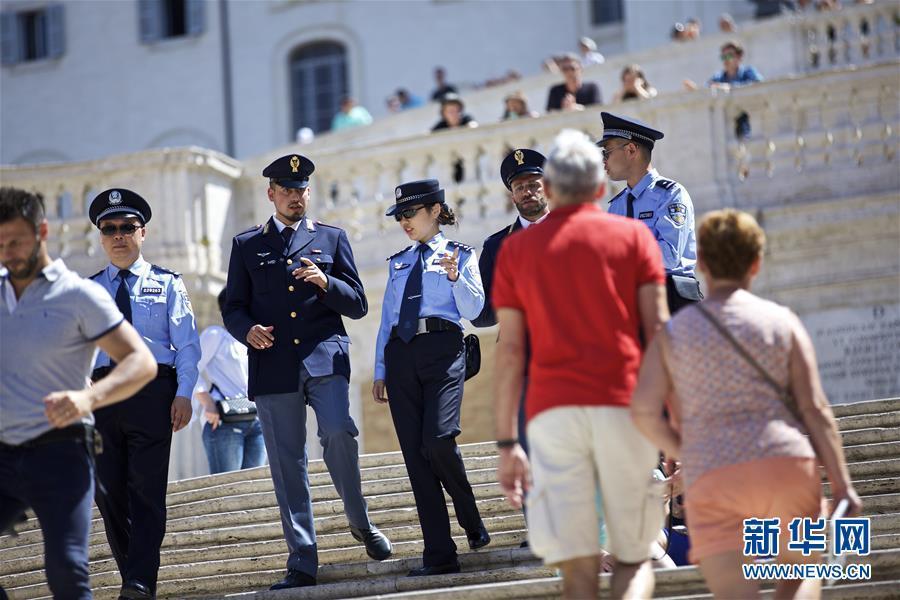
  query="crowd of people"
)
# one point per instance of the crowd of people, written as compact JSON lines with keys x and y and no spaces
{"x":607,"y":421}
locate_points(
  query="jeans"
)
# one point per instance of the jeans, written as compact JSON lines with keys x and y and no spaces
{"x":57,"y":481}
{"x":234,"y":446}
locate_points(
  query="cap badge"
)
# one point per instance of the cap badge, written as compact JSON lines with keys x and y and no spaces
{"x":115,"y":197}
{"x":398,"y":192}
{"x":520,"y":157}
{"x":295,"y":164}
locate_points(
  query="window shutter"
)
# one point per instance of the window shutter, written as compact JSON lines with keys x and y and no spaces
{"x":9,"y":33}
{"x":196,"y":16}
{"x":150,"y":20}
{"x":56,"y":31}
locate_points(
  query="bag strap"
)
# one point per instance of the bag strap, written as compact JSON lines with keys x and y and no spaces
{"x":741,"y":350}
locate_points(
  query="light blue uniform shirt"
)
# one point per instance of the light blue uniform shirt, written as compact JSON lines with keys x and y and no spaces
{"x":450,"y":300}
{"x":666,"y":208}
{"x":161,"y":312}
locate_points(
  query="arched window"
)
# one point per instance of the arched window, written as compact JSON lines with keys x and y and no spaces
{"x":318,"y":82}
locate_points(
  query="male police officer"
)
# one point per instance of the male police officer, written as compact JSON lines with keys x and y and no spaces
{"x":522,"y":172}
{"x":52,"y":320}
{"x":662,"y":204}
{"x":290,"y":281}
{"x":137,"y":434}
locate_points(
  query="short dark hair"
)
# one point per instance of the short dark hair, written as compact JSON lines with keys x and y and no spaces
{"x":17,"y":203}
{"x":221,"y":299}
{"x":734,"y":45}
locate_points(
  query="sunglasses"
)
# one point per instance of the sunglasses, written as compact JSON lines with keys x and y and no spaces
{"x":606,"y":152}
{"x":409,"y":213}
{"x":727,"y":56}
{"x":127,"y":229}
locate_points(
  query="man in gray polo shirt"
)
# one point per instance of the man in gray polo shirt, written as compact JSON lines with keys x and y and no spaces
{"x":52,"y":320}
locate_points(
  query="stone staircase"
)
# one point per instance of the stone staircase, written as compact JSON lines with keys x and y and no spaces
{"x":224,"y":534}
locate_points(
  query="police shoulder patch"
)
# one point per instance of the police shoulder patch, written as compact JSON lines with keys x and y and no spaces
{"x":666,"y":184}
{"x":398,"y":253}
{"x":460,"y":245}
{"x":159,"y":269}
{"x":677,"y":212}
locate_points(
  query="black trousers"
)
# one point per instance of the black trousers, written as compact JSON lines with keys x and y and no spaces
{"x":424,"y":380}
{"x":133,"y":471}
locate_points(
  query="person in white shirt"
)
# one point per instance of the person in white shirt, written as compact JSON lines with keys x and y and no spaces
{"x":235,"y":444}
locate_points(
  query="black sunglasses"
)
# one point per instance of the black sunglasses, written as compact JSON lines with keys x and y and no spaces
{"x":409,"y":213}
{"x":127,"y":229}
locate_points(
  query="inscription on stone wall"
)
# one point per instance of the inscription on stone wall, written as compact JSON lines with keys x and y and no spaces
{"x":858,"y":350}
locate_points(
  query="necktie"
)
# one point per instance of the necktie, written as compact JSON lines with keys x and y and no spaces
{"x":630,"y":213}
{"x":287,"y":233}
{"x":123,"y":298}
{"x":408,"y":323}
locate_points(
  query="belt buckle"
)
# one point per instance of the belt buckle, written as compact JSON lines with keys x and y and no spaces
{"x":423,"y":326}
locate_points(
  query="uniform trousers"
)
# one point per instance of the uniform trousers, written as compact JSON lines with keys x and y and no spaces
{"x":57,"y":481}
{"x":424,"y":380}
{"x":133,"y":472}
{"x":283,"y":420}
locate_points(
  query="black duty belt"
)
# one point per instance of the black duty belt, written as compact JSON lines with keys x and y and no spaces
{"x":162,"y":371}
{"x":430,"y":325}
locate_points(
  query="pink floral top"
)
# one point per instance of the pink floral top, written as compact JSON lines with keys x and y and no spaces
{"x":728,"y":413}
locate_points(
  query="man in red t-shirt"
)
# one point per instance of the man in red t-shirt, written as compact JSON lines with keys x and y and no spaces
{"x":582,"y":285}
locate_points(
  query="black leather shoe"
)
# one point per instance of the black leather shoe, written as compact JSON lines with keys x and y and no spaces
{"x":378,"y":547}
{"x":524,"y":544}
{"x":478,"y":539}
{"x":134,"y":590}
{"x":294,"y":579}
{"x":435,"y":570}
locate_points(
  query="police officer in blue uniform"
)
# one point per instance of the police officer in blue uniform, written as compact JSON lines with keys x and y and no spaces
{"x":420,"y":366}
{"x":662,"y":204}
{"x":137,"y":433}
{"x":290,"y":282}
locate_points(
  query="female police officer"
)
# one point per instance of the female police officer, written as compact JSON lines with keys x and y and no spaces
{"x":420,"y":359}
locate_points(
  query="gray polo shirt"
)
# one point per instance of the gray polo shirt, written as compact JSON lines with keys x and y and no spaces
{"x":47,"y":344}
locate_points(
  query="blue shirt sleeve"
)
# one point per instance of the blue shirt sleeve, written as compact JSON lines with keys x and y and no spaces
{"x":674,"y":223}
{"x":183,"y":336}
{"x":384,"y":330}
{"x":468,"y":291}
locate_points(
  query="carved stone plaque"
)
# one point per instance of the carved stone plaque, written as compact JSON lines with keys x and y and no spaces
{"x":858,"y":351}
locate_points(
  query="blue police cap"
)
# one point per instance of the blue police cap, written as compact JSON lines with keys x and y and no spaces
{"x":291,"y":171}
{"x":119,"y":203}
{"x":424,"y":191}
{"x":615,"y":126}
{"x":521,"y":162}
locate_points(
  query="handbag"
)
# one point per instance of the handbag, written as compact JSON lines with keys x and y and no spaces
{"x":784,"y":394}
{"x":236,"y":408}
{"x":473,"y":355}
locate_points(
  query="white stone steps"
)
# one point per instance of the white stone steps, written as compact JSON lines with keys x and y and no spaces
{"x":869,"y":487}
{"x":683,"y":583}
{"x":867,"y":421}
{"x":883,"y":405}
{"x":870,"y":436}
{"x":877,"y":451}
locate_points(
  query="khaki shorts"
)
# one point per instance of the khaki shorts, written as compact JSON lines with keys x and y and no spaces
{"x":573,"y":450}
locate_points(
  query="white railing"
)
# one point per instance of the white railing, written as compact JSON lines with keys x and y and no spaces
{"x":790,"y":45}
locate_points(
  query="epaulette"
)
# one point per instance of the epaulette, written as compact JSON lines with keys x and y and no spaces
{"x":97,"y":274}
{"x":666,"y":184}
{"x":327,"y":225}
{"x":249,"y":229}
{"x":160,"y":269}
{"x":460,"y":245}
{"x":398,"y":253}
{"x":610,"y":201}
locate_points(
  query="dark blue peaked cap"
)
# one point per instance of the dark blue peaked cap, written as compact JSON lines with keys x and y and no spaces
{"x":291,"y":171}
{"x":626,"y":128}
{"x":424,"y":191}
{"x":521,"y":161}
{"x":118,"y":203}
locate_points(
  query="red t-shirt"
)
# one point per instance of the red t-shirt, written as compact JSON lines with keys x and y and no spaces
{"x":576,"y":278}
